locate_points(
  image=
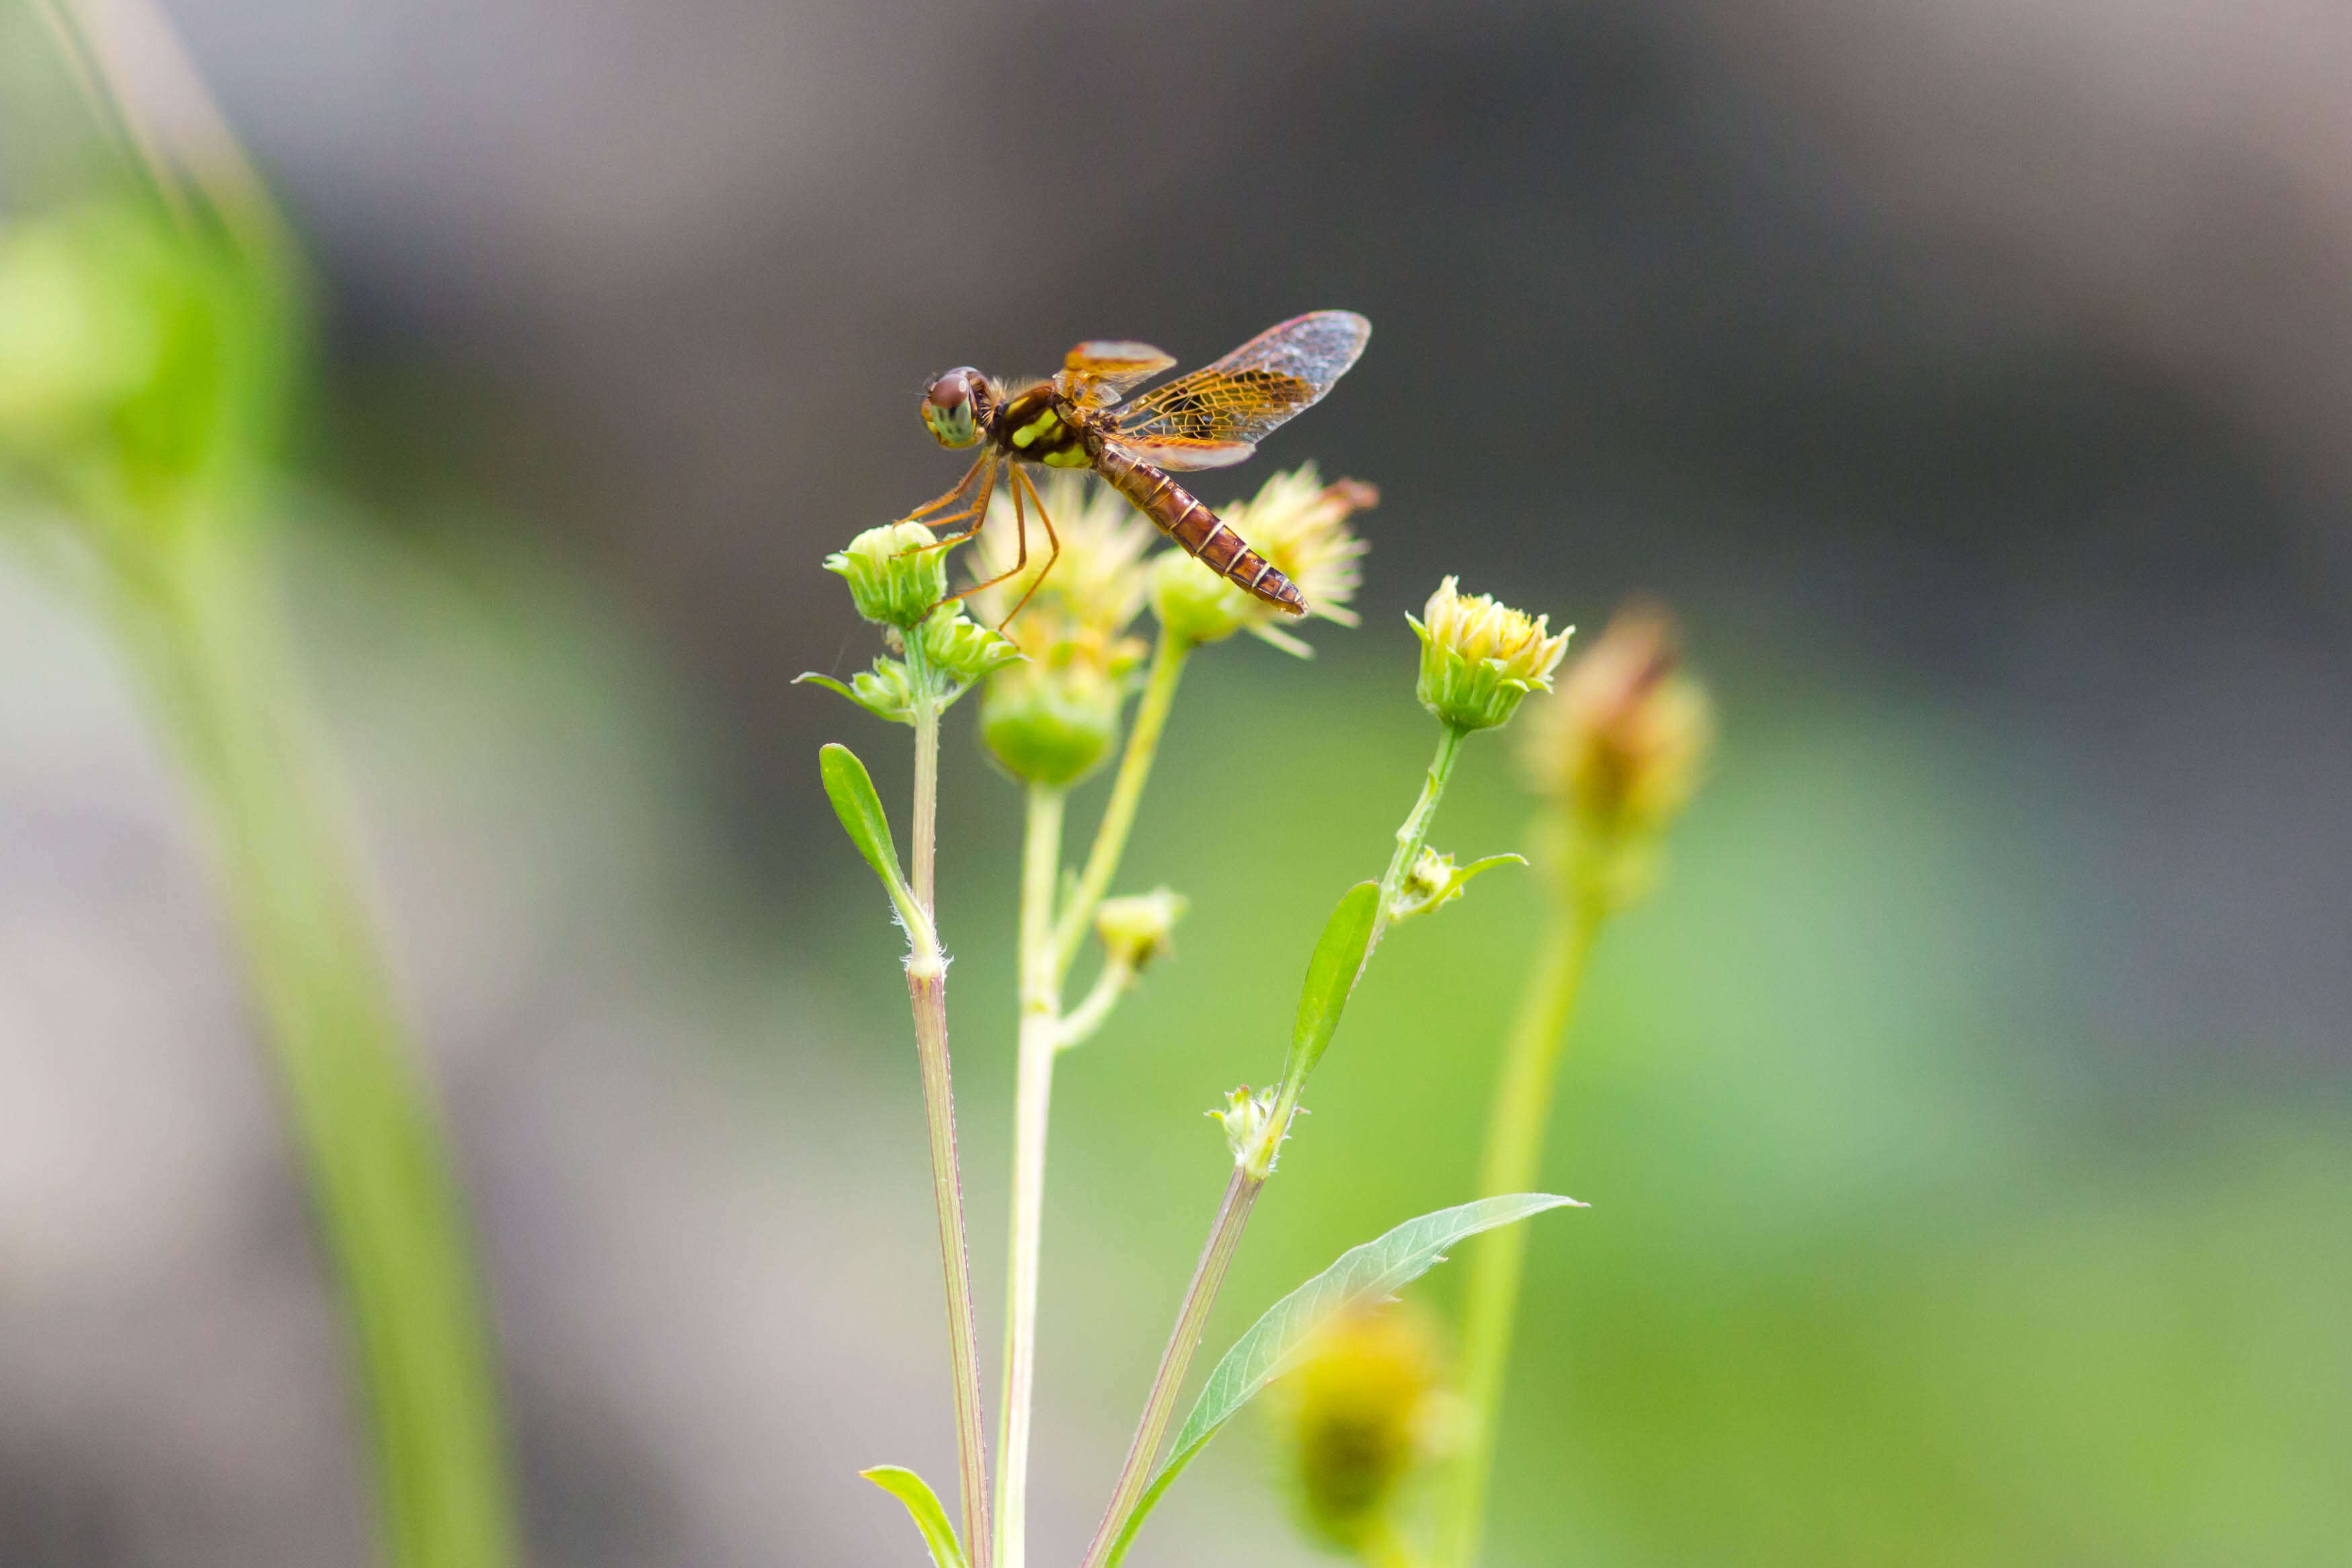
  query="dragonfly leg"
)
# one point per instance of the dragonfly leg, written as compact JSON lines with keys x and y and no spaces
{"x":977,"y":512}
{"x":954,"y":495}
{"x":1020,"y":540}
{"x":1022,"y":481}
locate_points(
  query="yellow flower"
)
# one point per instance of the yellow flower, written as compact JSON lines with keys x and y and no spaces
{"x":1364,"y":1411}
{"x":1479,"y":657}
{"x":1095,"y":586}
{"x":1298,"y":522}
{"x":1054,"y":718}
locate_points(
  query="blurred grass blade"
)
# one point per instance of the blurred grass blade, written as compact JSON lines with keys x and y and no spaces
{"x":1278,"y":1341}
{"x":923,"y":1507}
{"x":1331,"y":974}
{"x":850,"y":789}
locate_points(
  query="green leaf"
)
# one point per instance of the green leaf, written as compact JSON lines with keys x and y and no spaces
{"x":929,"y":1517}
{"x":1330,"y":975}
{"x":1278,"y":1341}
{"x":850,"y":789}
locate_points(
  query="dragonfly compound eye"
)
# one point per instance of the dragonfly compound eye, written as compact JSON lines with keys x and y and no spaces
{"x":949,"y":408}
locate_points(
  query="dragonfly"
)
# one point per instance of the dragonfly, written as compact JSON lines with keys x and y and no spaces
{"x":1210,"y":418}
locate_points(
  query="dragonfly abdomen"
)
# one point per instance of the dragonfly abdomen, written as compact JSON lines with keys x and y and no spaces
{"x":1199,"y":532}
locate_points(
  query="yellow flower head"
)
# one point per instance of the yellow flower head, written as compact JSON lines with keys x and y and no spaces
{"x":1095,"y":586}
{"x":1298,"y":522}
{"x":1054,"y":718}
{"x":1479,"y":657}
{"x":1363,"y":1410}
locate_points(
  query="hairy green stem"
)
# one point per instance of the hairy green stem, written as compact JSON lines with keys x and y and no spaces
{"x":1251,"y":1170}
{"x":1033,"y":1101}
{"x":196,"y":607}
{"x":1414,"y":833}
{"x":1176,"y":1359}
{"x":1167,"y":659}
{"x":926,"y":983}
{"x":1514,"y":1154}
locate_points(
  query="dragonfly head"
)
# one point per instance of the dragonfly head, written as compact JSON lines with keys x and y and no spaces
{"x":953,"y":408}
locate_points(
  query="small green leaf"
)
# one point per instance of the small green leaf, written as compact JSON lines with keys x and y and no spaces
{"x":1330,"y":975}
{"x":860,"y":810}
{"x":908,"y":1488}
{"x":1278,"y":1341}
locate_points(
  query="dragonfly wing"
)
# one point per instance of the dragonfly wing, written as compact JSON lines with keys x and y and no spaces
{"x":1098,"y":373}
{"x":1252,"y":391}
{"x":1182,"y":452}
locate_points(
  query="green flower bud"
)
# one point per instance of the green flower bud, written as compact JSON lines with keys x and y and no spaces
{"x":1193,"y":601}
{"x":961,"y":650}
{"x":895,"y":578}
{"x":1135,"y":930}
{"x":1244,"y":1120}
{"x":1051,"y":724}
{"x":1479,"y":658}
{"x":138,"y":359}
{"x":1434,"y":881}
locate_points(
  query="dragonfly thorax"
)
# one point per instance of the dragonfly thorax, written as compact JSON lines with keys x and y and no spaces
{"x":1037,"y":425}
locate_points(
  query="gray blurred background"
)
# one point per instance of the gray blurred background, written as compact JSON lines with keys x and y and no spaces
{"x":1976,"y":381}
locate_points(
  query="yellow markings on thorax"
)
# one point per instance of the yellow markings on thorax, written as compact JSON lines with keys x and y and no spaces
{"x":1028,"y":434}
{"x":1069,"y":457}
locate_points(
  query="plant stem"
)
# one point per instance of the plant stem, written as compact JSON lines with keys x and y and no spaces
{"x":1515,"y":1141}
{"x":1167,"y":659}
{"x":198,"y":616}
{"x":1192,"y":1318}
{"x":927,"y":981}
{"x":1040,"y":1039}
{"x":1079,"y":1024}
{"x":1414,"y":833}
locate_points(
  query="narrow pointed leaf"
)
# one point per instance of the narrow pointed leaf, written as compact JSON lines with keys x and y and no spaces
{"x":851,"y":788}
{"x":923,"y":1507}
{"x":1278,"y":1341}
{"x":1331,"y":974}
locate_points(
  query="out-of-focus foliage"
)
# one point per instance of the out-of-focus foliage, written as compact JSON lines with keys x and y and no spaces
{"x":144,"y":360}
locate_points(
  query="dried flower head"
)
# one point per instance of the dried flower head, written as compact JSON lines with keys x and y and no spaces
{"x":1364,"y":1411}
{"x":1479,"y":657}
{"x":1621,"y":743}
{"x":1298,"y":522}
{"x":896,"y":577}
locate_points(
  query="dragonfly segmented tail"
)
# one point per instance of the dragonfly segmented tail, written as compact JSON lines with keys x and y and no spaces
{"x":1200,"y":531}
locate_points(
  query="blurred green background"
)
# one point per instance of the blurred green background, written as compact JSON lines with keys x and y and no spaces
{"x":1966,"y":1124}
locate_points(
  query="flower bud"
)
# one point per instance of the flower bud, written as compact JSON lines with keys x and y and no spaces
{"x":137,"y":357}
{"x":895,"y":578}
{"x":1479,"y":657}
{"x":1193,"y":601}
{"x":1434,"y":881}
{"x":1620,"y":747}
{"x":1135,"y":930}
{"x":1053,"y":723}
{"x":961,"y":650}
{"x":1244,"y":1120}
{"x":1364,"y":1409}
